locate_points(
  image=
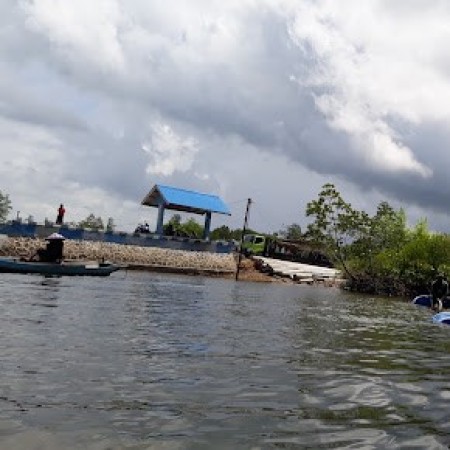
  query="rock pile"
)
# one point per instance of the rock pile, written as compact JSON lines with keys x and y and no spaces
{"x":134,"y":256}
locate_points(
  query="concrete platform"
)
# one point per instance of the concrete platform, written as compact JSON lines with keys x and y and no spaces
{"x":298,"y":271}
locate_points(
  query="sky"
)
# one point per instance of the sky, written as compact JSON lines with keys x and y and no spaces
{"x":260,"y":99}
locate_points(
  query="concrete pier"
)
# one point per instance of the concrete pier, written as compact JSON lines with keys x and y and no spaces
{"x":305,"y":273}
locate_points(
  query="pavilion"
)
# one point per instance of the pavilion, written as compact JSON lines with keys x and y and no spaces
{"x":175,"y":199}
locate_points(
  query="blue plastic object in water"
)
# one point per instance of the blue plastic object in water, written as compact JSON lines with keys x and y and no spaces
{"x":425,"y":300}
{"x":443,"y":317}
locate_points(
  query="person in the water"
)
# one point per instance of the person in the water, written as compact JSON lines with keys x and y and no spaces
{"x":439,"y":290}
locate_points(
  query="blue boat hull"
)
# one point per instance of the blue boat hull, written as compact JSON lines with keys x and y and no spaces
{"x":426,"y":300}
{"x":8,"y":265}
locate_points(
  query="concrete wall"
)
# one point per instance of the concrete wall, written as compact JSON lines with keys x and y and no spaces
{"x":16,"y":229}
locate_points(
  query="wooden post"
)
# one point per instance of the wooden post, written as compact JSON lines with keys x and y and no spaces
{"x":247,"y":211}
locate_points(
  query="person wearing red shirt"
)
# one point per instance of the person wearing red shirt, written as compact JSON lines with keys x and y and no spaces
{"x":61,"y":212}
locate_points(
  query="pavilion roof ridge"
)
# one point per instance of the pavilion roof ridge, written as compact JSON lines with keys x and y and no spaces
{"x":185,"y":200}
{"x":185,"y":190}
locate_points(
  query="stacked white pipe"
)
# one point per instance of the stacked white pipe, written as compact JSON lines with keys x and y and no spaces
{"x":305,"y":273}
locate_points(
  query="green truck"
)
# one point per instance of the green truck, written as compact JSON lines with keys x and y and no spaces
{"x":253,"y":244}
{"x":304,"y":251}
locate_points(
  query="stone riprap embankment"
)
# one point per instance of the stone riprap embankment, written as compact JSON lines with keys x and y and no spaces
{"x":150,"y":258}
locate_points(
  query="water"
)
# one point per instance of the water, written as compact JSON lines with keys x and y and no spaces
{"x":146,"y":361}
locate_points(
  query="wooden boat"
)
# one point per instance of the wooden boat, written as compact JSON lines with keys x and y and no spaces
{"x":70,"y":268}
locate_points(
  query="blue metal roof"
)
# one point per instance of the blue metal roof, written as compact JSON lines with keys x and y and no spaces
{"x":184,"y":200}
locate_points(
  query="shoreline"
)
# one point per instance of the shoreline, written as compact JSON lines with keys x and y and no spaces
{"x":152,"y":259}
{"x":134,"y":257}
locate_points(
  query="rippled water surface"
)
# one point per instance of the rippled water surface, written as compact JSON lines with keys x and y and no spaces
{"x":143,"y":361}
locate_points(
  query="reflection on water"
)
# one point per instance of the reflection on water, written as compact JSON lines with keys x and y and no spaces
{"x":152,"y":361}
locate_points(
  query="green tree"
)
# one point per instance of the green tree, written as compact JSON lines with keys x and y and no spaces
{"x":379,"y":253}
{"x":418,"y":259}
{"x":383,"y":234}
{"x":175,"y":220}
{"x":439,"y":252}
{"x":92,"y":222}
{"x":192,"y":229}
{"x":5,"y":206}
{"x":336,"y":224}
{"x":388,"y":227}
{"x":292,"y":232}
{"x":221,"y":233}
{"x":416,"y":250}
{"x":425,"y":250}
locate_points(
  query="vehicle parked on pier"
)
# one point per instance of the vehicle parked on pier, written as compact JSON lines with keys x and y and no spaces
{"x":253,"y":244}
{"x":303,"y":251}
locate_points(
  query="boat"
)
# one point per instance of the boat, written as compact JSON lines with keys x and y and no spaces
{"x":426,"y":300}
{"x":69,"y":268}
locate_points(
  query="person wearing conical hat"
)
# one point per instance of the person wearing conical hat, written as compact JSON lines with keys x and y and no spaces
{"x":53,"y":252}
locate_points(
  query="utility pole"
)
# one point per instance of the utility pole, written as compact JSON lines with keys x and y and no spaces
{"x":247,"y":212}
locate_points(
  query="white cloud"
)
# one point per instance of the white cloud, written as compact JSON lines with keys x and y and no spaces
{"x":19,"y":159}
{"x":79,"y":32}
{"x":261,"y":98}
{"x":374,"y":141}
{"x":168,"y":152}
{"x":370,"y":66}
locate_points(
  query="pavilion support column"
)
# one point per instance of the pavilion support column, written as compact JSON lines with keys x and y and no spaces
{"x":207,"y":228}
{"x":160,"y":221}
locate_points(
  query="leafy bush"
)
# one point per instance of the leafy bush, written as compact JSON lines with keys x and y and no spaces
{"x":379,"y":254}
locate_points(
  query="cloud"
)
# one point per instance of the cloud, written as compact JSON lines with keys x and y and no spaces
{"x":262,"y":99}
{"x":349,"y":80}
{"x":79,"y":33}
{"x":168,"y":152}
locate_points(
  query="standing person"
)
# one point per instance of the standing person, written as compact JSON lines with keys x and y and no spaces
{"x":439,"y":290}
{"x":61,"y":212}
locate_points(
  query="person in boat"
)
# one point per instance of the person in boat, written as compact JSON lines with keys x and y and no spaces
{"x":142,"y":228}
{"x":439,"y":290}
{"x":53,"y":252}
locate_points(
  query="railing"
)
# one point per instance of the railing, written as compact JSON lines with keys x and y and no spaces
{"x":17,"y":228}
